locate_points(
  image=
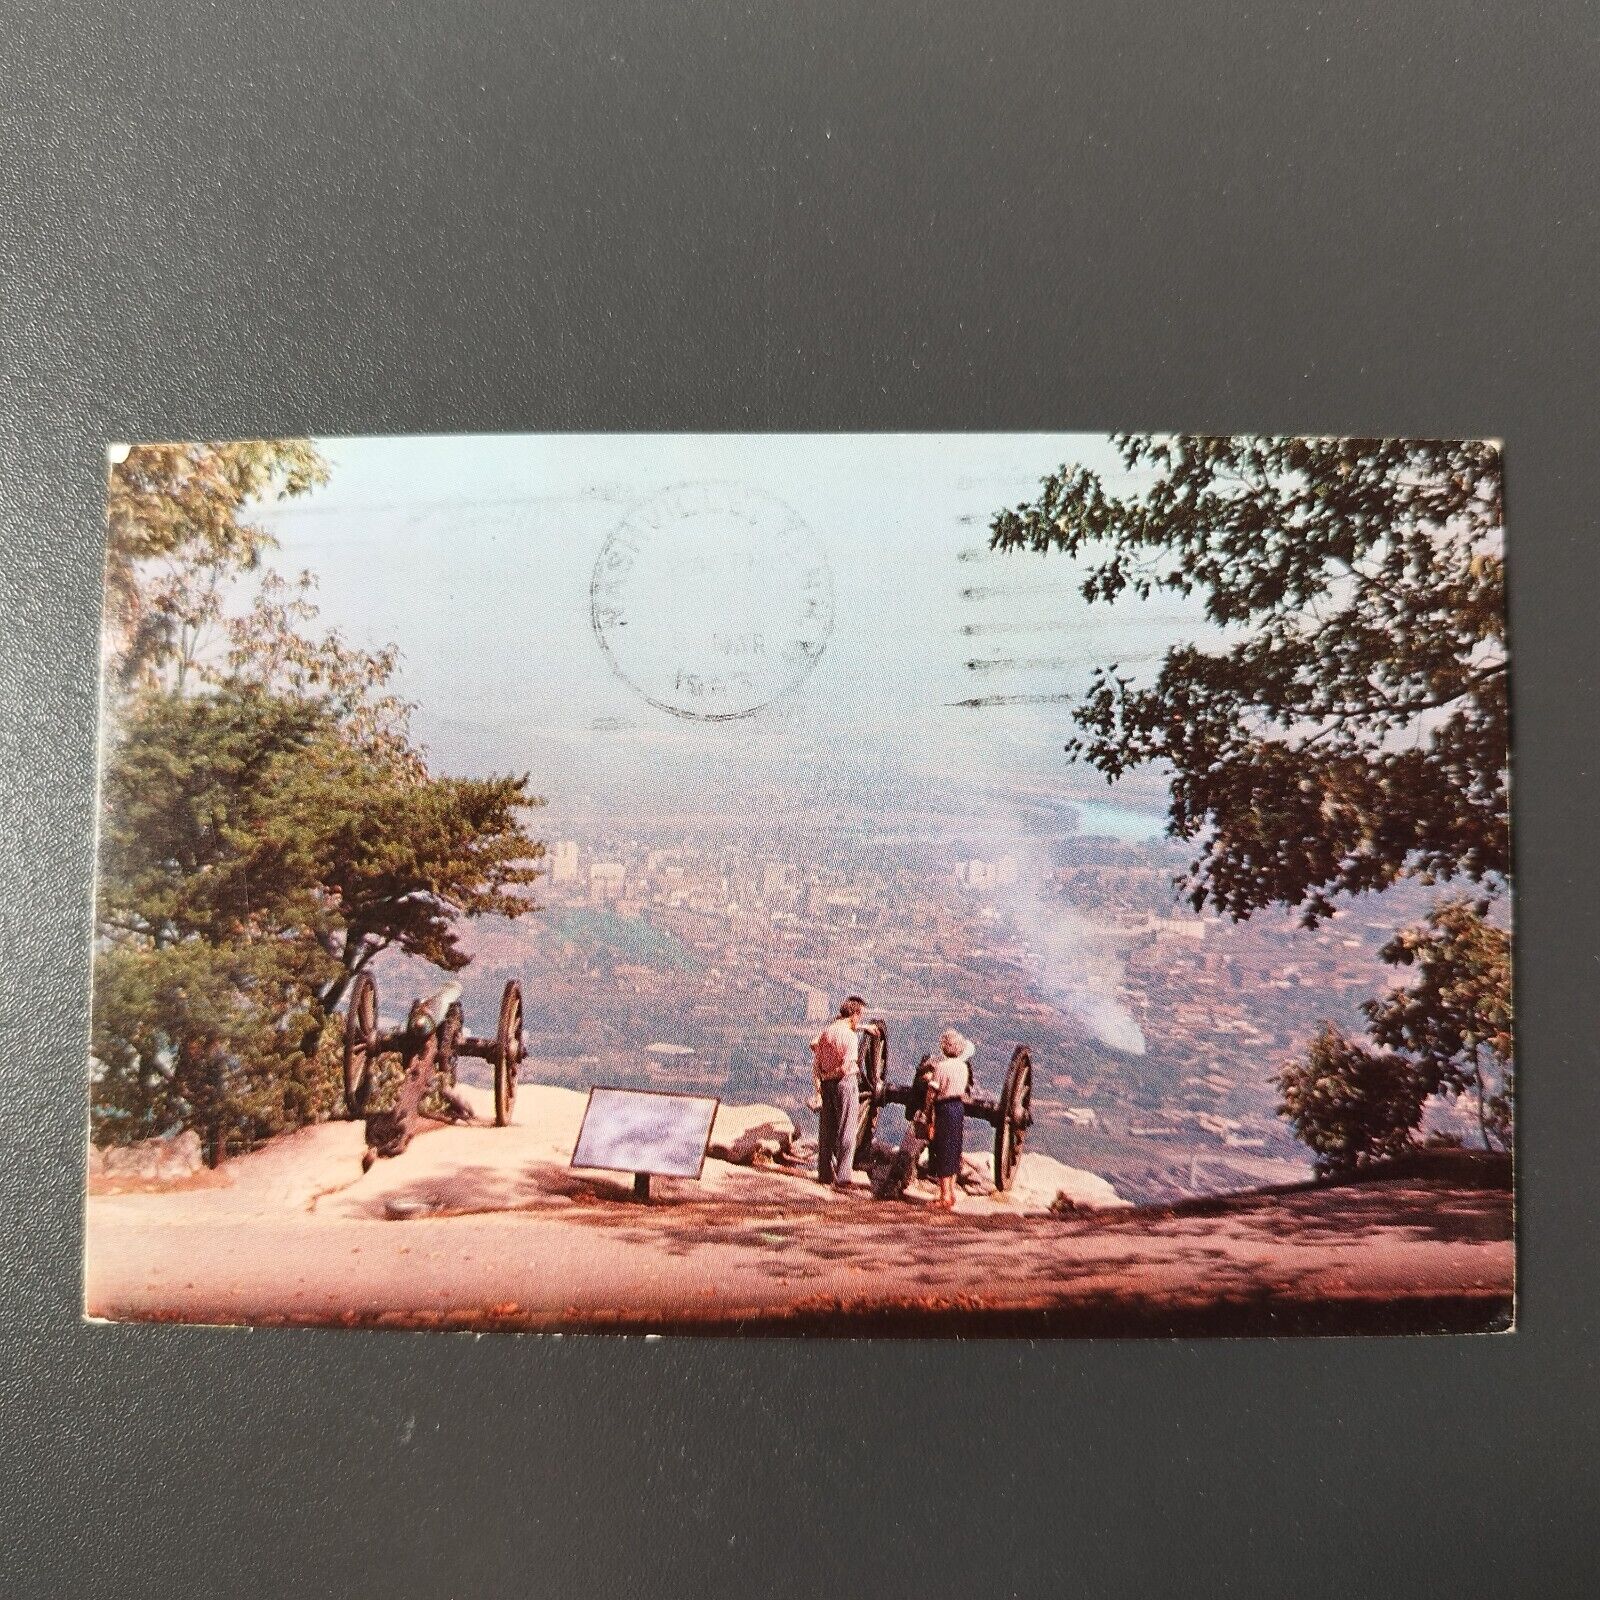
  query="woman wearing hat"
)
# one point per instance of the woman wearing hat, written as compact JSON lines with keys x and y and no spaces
{"x":951,"y":1079}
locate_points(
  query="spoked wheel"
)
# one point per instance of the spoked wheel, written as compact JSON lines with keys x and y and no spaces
{"x":1016,"y":1117}
{"x":866,"y":1122}
{"x":507,"y":1052}
{"x":450,"y":1031}
{"x":874,"y":1065}
{"x":360,"y":1044}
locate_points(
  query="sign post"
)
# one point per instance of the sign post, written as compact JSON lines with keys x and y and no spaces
{"x":646,"y":1132}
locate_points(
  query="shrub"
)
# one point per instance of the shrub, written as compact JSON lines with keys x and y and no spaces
{"x":1349,"y":1104}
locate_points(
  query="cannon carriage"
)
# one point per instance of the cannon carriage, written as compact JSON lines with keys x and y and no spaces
{"x":431,"y":1042}
{"x":1010,"y":1113}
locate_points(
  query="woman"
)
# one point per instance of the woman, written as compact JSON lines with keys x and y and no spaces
{"x":951,"y":1078}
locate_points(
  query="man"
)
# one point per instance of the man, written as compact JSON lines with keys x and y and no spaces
{"x":836,"y":1067}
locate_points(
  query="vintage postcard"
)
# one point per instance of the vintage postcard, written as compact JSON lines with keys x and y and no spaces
{"x":966,"y":884}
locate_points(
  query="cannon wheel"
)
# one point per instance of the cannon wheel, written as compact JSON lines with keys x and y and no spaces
{"x":507,"y":1052}
{"x":1015,"y":1117}
{"x":450,"y":1031}
{"x":360,"y":1044}
{"x":874,"y":1060}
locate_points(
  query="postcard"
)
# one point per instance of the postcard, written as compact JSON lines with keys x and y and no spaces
{"x":804,"y":884}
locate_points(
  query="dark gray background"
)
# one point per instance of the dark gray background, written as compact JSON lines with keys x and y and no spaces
{"x":261,"y":219}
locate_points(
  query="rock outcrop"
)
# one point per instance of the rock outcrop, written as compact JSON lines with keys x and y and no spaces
{"x":751,"y":1135}
{"x":148,"y":1160}
{"x":1041,"y":1184}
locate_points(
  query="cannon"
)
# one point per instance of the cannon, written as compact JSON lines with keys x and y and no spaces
{"x":1010,"y":1114}
{"x":430,"y":1043}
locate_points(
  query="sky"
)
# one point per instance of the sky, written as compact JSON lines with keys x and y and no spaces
{"x":561,"y":602}
{"x":477,"y":556}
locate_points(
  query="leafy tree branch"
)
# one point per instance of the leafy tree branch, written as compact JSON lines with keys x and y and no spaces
{"x":1346,"y":723}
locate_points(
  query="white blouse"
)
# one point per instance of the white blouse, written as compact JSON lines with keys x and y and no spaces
{"x":951,"y":1076}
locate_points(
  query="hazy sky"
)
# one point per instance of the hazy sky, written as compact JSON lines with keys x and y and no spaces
{"x":479,"y":558}
{"x":476,"y":557}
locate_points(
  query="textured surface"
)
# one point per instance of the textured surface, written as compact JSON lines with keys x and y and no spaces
{"x":361,"y":218}
{"x":479,"y":1227}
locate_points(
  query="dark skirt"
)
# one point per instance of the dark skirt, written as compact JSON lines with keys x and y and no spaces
{"x":944,"y":1149}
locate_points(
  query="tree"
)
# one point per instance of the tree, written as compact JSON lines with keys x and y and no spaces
{"x":400,"y":860}
{"x":1454,"y":1021}
{"x":271,"y":643}
{"x":180,"y":524}
{"x":204,"y":987}
{"x":1349,"y":1104}
{"x":196,"y":838}
{"x":1347,"y":723}
{"x":401,"y":855}
{"x":254,"y":857}
{"x":1343,"y":724}
{"x":1447,"y":1033}
{"x":268,"y":826}
{"x":204,"y":1035}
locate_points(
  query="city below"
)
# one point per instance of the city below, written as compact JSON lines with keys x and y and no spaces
{"x":706,"y":961}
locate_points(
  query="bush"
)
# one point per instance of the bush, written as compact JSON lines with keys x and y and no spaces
{"x":1349,"y":1104}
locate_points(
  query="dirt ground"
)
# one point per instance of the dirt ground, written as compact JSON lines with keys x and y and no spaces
{"x":476,"y":1227}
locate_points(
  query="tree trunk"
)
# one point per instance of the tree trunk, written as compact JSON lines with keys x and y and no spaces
{"x":1477,"y":1080}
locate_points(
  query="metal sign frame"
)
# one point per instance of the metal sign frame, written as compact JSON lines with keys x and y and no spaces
{"x":660,"y":1094}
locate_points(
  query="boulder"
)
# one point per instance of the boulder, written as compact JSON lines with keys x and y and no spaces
{"x":152,"y":1160}
{"x":748,"y":1135}
{"x":181,"y":1157}
{"x":1041,"y":1184}
{"x":977,"y":1174}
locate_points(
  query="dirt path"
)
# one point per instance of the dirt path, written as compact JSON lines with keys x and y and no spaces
{"x":481,"y":1227}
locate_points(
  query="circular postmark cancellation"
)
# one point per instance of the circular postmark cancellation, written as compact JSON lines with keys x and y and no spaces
{"x":712,"y":601}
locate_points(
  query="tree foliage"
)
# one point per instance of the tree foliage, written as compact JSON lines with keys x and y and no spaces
{"x":252,"y":862}
{"x":1446,"y":1033}
{"x":273,"y":642}
{"x":1346,"y":724}
{"x":182,"y":519}
{"x":1341,"y":723}
{"x":206,"y":1036}
{"x":1349,"y":1104}
{"x":399,"y":861}
{"x":268,"y":827}
{"x":1454,"y":1019}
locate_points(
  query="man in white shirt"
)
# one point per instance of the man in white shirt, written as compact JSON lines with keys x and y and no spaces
{"x":836,"y":1067}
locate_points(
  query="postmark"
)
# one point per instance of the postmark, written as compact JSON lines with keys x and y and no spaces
{"x":712,"y":600}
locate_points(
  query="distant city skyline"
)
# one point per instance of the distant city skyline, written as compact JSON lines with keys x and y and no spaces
{"x":712,"y":886}
{"x":541,"y":589}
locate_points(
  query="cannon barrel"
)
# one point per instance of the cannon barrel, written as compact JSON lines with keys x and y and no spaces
{"x":433,"y":1026}
{"x":1010,"y":1114}
{"x":431,"y":1012}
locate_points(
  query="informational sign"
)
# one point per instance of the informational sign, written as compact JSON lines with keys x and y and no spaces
{"x":643,"y":1131}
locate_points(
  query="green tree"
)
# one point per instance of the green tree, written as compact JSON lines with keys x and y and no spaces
{"x":205,"y":1036}
{"x":1446,"y":1033}
{"x":400,"y":860}
{"x":1348,"y":1104}
{"x":1347,"y":722}
{"x":1453,"y":1022}
{"x":206,"y":826}
{"x":253,"y":860}
{"x":204,"y":987}
{"x":274,"y":642}
{"x":400,"y":855}
{"x":1342,"y":724}
{"x":268,"y":825}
